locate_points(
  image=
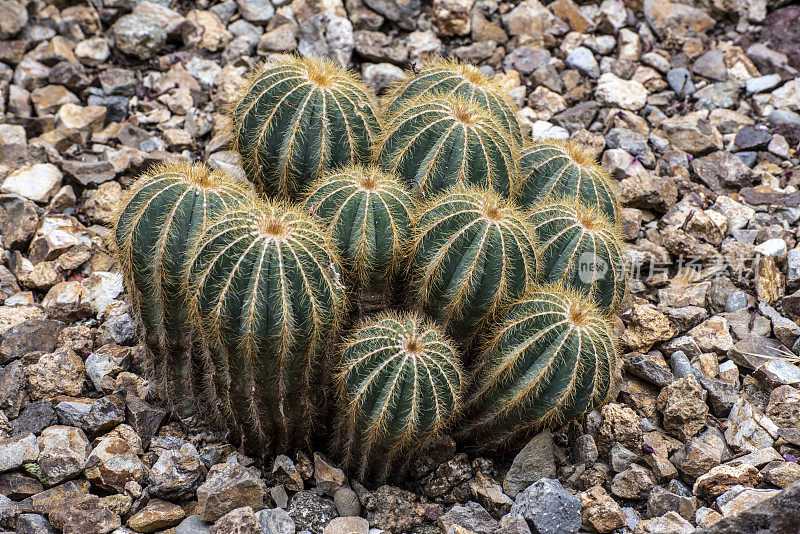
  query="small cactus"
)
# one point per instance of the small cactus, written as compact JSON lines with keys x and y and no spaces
{"x":581,"y":248}
{"x":162,"y":213}
{"x":298,"y":118}
{"x":550,"y":358}
{"x":399,"y":386}
{"x":473,"y":252}
{"x":451,"y":77}
{"x":369,"y":214}
{"x":436,"y":142}
{"x":562,"y":170}
{"x":264,"y":292}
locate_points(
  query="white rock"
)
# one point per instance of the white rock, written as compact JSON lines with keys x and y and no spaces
{"x":737,"y":213}
{"x":102,"y":288}
{"x":12,"y":134}
{"x":104,"y":362}
{"x":547,"y":130}
{"x":38,"y":182}
{"x":93,"y":51}
{"x":582,"y":60}
{"x":627,"y":94}
{"x":774,"y":248}
{"x":788,"y":96}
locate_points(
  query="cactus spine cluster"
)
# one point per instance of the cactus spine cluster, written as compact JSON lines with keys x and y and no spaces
{"x":265,"y":292}
{"x":473,"y":252}
{"x":369,"y":214}
{"x":561,"y":170}
{"x":550,"y":358}
{"x":299,"y":117}
{"x":399,"y":385}
{"x":580,"y":247}
{"x":163,"y":212}
{"x":449,"y":77}
{"x":437,"y":142}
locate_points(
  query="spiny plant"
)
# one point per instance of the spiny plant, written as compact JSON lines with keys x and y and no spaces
{"x":399,"y":385}
{"x":163,"y":212}
{"x":299,"y":117}
{"x":451,"y":77}
{"x":265,"y":293}
{"x":562,"y":170}
{"x":437,"y":141}
{"x":550,"y":358}
{"x":369,"y":213}
{"x":580,"y":247}
{"x":473,"y":252}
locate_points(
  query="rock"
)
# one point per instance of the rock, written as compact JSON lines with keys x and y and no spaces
{"x":18,"y":221}
{"x":89,"y":172}
{"x":50,"y":499}
{"x":762,"y":84}
{"x":311,"y":512}
{"x":536,"y":460}
{"x":34,"y":524}
{"x":139,"y":34}
{"x":633,"y":483}
{"x":158,"y":515}
{"x":346,"y":501}
{"x":644,"y":190}
{"x":724,"y":477}
{"x":780,"y":473}
{"x":683,"y":406}
{"x":328,"y":36}
{"x":599,"y":512}
{"x":620,"y":424}
{"x":530,"y":19}
{"x":84,"y":514}
{"x":17,"y":450}
{"x":615,"y":91}
{"x":471,"y":517}
{"x":108,"y":360}
{"x":68,"y":302}
{"x":102,"y":288}
{"x":285,"y":473}
{"x":781,"y":509}
{"x":698,"y":455}
{"x":489,"y":494}
{"x":748,"y":429}
{"x":680,"y":81}
{"x":713,"y":335}
{"x":711,"y":65}
{"x":177,"y":473}
{"x":328,"y":478}
{"x":740,"y":498}
{"x":93,"y":51}
{"x":228,"y":486}
{"x":787,"y":96}
{"x":722,"y":170}
{"x":779,"y":372}
{"x":38,"y":182}
{"x":276,"y":521}
{"x":548,"y":507}
{"x":750,"y":138}
{"x":256,"y":10}
{"x":381,"y":75}
{"x":784,"y":407}
{"x":669,"y":523}
{"x":62,"y":453}
{"x":453,"y":17}
{"x":676,"y":21}
{"x":347,"y":525}
{"x":34,"y":418}
{"x":13,"y":18}
{"x":194,"y":525}
{"x":29,"y":336}
{"x":675,"y":497}
{"x":114,"y":462}
{"x":144,"y":417}
{"x":205,"y":30}
{"x":57,"y":373}
{"x":397,"y":510}
{"x":691,"y":133}
{"x":582,"y":60}
{"x":646,"y":326}
{"x":103,"y":201}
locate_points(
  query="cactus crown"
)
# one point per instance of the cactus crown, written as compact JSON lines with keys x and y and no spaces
{"x":439,"y":141}
{"x":473,"y":252}
{"x":580,"y":247}
{"x":369,"y":214}
{"x":550,"y":358}
{"x":299,"y":117}
{"x":560,"y":169}
{"x":400,"y":383}
{"x":452,"y":77}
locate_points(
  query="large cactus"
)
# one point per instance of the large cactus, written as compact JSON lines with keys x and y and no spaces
{"x":562,"y":170}
{"x":369,"y":213}
{"x":399,"y":385}
{"x":266,"y":296}
{"x":299,"y":117}
{"x":473,"y":252}
{"x":580,"y":247}
{"x":163,"y":212}
{"x":450,"y":77}
{"x":435,"y":142}
{"x":550,"y":358}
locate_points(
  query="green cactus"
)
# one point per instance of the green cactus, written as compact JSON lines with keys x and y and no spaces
{"x":399,"y":386}
{"x":562,"y":170}
{"x":451,"y":77}
{"x":473,"y":252}
{"x":265,"y":294}
{"x":369,"y":214}
{"x":581,"y":248}
{"x":550,"y":358}
{"x":300,"y":117}
{"x":163,"y":212}
{"x":436,"y":142}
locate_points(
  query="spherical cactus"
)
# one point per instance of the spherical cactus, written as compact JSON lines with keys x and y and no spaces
{"x":436,"y":142}
{"x":369,"y":213}
{"x":561,"y":170}
{"x":299,"y":117}
{"x":473,"y":252}
{"x":580,"y":247}
{"x":162,"y":213}
{"x":266,"y":295}
{"x":550,"y":358}
{"x":399,"y":385}
{"x":450,"y":77}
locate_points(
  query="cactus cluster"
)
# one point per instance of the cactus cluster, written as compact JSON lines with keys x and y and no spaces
{"x":257,"y":312}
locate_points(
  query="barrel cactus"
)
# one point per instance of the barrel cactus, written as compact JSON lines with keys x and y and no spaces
{"x":369,"y":213}
{"x":399,"y":386}
{"x":550,"y":358}
{"x":451,"y":77}
{"x":299,"y":117}
{"x":473,"y":252}
{"x":562,"y":170}
{"x":164,"y":211}
{"x":436,"y":142}
{"x":580,"y":247}
{"x":265,"y":293}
